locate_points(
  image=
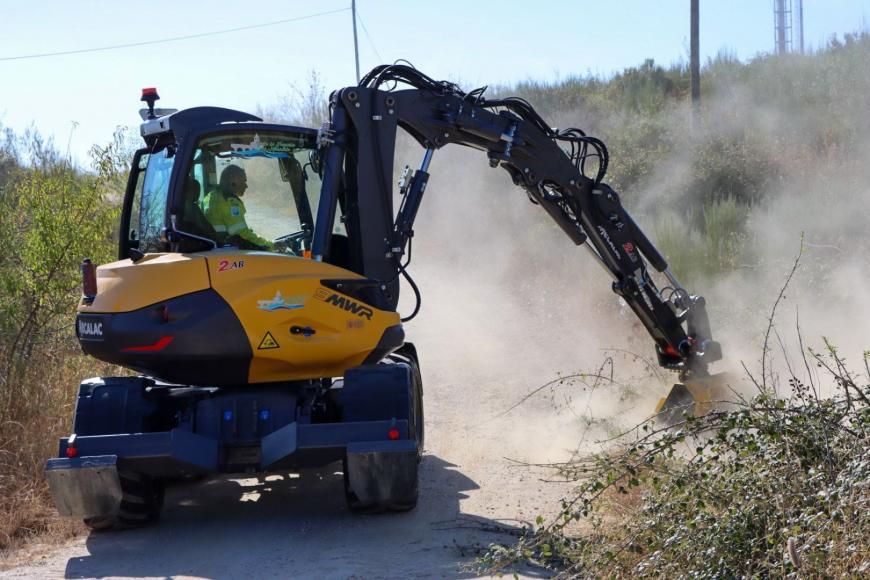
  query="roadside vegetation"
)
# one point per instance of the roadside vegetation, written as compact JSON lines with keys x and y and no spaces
{"x":51,"y":216}
{"x":776,"y":487}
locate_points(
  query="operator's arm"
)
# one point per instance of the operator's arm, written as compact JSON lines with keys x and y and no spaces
{"x":249,"y":236}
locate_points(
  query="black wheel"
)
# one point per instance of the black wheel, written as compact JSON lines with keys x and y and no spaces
{"x":357,"y":506}
{"x":354,"y":504}
{"x":418,"y":426}
{"x":141,"y":503}
{"x":408,"y":502}
{"x":404,"y":506}
{"x":100,"y":524}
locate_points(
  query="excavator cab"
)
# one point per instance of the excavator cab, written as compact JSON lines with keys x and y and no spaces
{"x":216,"y":229}
{"x":252,"y":188}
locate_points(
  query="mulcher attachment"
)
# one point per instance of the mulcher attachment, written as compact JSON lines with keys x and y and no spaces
{"x":695,"y":396}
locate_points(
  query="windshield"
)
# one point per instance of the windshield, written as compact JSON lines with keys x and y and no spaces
{"x":149,"y":210}
{"x":253,"y":190}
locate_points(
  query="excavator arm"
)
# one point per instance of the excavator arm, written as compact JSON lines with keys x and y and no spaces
{"x":562,"y":171}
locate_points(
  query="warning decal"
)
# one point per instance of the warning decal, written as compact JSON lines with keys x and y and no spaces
{"x":268,"y":342}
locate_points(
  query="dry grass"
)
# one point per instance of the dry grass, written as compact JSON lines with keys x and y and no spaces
{"x":26,"y":510}
{"x":619,"y":504}
{"x":28,"y":437}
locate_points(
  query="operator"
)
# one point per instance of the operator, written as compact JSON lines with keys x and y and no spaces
{"x":225,"y":210}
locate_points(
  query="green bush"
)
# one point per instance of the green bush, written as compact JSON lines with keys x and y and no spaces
{"x":696,"y":253}
{"x":51,"y":217}
{"x":775,"y":487}
{"x":765,"y":128}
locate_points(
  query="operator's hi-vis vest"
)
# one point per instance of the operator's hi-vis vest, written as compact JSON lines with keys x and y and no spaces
{"x":226,"y":213}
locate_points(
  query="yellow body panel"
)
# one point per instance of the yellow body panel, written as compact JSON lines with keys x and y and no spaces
{"x":271,"y":294}
{"x":124,"y":286}
{"x":297,"y":329}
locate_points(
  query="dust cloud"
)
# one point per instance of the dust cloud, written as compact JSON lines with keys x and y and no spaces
{"x":814,"y":204}
{"x":510,"y":303}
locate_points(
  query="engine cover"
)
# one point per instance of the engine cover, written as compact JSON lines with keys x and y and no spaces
{"x":231,"y":317}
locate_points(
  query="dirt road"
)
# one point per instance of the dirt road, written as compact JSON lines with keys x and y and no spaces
{"x":298,"y":525}
{"x":292,"y":528}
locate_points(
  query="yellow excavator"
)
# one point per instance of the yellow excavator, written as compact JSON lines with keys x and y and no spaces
{"x":257,"y":286}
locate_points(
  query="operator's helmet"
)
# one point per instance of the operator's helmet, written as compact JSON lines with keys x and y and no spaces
{"x":234,"y":180}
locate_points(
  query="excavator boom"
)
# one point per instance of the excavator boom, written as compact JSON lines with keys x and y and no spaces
{"x":562,"y":171}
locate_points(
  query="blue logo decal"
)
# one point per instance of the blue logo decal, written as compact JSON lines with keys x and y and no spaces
{"x":278,"y":303}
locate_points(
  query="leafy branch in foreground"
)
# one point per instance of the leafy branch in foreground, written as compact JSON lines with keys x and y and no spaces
{"x":773,"y":487}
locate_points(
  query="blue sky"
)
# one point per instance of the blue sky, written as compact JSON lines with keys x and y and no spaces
{"x":80,"y":98}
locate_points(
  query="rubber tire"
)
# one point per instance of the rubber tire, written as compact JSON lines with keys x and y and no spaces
{"x":141,"y":504}
{"x":418,"y":417}
{"x":353,"y":502}
{"x":358,"y":507}
{"x":418,"y":428}
{"x":419,"y":425}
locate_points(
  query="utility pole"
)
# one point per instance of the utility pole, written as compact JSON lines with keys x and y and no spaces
{"x":695,"y":57}
{"x":355,"y":43}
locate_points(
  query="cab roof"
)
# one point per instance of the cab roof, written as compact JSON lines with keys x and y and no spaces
{"x":201,"y":119}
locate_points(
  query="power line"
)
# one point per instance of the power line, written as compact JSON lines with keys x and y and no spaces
{"x":371,"y":42}
{"x":172,"y":39}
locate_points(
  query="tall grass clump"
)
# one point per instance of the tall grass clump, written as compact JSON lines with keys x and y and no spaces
{"x":714,"y":247}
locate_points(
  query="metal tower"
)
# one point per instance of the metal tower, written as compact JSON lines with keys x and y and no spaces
{"x":788,"y":26}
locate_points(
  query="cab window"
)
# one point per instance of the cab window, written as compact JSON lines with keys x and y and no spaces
{"x":253,"y":190}
{"x":148,"y":212}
